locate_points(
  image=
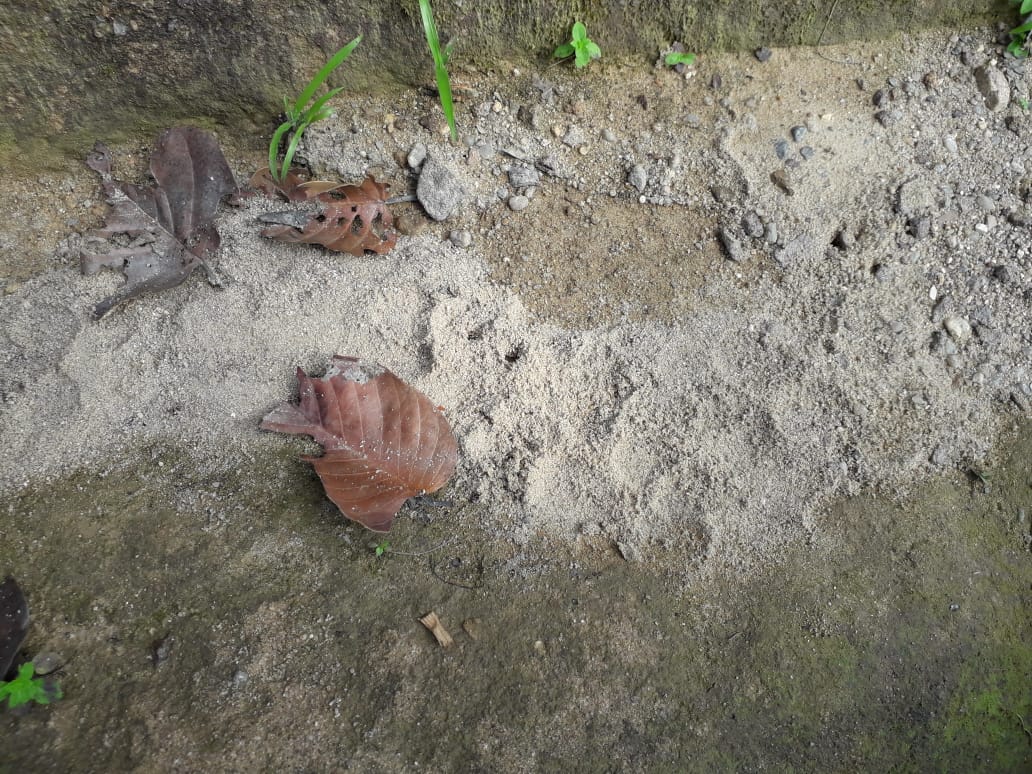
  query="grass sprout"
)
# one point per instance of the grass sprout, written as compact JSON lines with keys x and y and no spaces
{"x":300,"y":115}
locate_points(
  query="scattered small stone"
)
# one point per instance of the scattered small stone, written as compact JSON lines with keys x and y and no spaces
{"x":888,"y":117}
{"x":608,"y":136}
{"x":752,"y":226}
{"x":763,"y":54}
{"x":951,"y":143}
{"x":993,"y":86}
{"x":416,"y":156}
{"x":46,"y":663}
{"x":985,"y":203}
{"x":638,"y":178}
{"x":732,"y":246}
{"x":518,"y":203}
{"x":781,"y":149}
{"x":440,"y":189}
{"x":574,"y":137}
{"x":958,"y":328}
{"x":240,"y":679}
{"x":461,"y":239}
{"x":806,"y":152}
{"x":880,"y":99}
{"x":770,"y":233}
{"x":524,"y":176}
{"x":798,"y":133}
{"x":693,"y":120}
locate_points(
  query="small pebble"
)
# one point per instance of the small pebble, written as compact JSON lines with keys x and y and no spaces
{"x":806,"y":152}
{"x":763,"y":54}
{"x":608,"y":136}
{"x":45,"y":663}
{"x":951,"y":143}
{"x":461,"y":238}
{"x":416,"y":156}
{"x":798,"y":133}
{"x":518,"y":202}
{"x":638,"y":178}
{"x":781,"y":149}
{"x":958,"y":328}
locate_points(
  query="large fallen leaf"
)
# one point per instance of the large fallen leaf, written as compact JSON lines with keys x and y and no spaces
{"x":384,"y":440}
{"x":351,"y":219}
{"x":14,"y":623}
{"x":170,"y":225}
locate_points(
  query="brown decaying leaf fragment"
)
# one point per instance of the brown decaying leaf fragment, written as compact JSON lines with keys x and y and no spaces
{"x":433,"y":623}
{"x":171,"y":224}
{"x":353,"y":218}
{"x":384,"y":441}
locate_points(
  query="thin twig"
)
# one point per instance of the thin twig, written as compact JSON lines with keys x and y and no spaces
{"x":438,"y":547}
{"x":820,"y":38}
{"x":433,"y":571}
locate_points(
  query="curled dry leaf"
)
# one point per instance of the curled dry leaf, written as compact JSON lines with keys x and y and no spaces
{"x":352,"y":218}
{"x":170,"y":225}
{"x":14,"y":623}
{"x":384,"y":441}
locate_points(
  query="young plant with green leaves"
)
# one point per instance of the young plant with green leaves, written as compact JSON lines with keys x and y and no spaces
{"x":25,"y":688}
{"x":300,"y":115}
{"x":675,"y":58}
{"x":1021,"y":36}
{"x":581,"y":47}
{"x":441,"y":57}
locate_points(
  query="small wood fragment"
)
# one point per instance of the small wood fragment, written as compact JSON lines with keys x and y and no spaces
{"x":433,"y":623}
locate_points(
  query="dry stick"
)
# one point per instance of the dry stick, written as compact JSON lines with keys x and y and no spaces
{"x":831,"y":13}
{"x":438,"y":547}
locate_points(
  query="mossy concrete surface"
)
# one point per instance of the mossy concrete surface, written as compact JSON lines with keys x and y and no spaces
{"x":77,"y":71}
{"x":237,"y":624}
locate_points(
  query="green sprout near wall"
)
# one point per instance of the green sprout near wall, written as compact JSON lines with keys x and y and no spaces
{"x":301,"y":115}
{"x":581,"y":47}
{"x":1020,"y":35}
{"x":25,"y":688}
{"x":441,"y":57}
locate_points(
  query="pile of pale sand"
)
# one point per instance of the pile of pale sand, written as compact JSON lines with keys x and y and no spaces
{"x":719,"y":437}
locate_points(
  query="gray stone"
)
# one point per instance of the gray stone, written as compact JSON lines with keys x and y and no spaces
{"x":46,"y":663}
{"x":518,"y":203}
{"x":781,"y":149}
{"x":416,"y":156}
{"x":638,"y":177}
{"x":958,"y":328}
{"x":524,"y":176}
{"x":733,"y":246}
{"x":806,"y":152}
{"x":752,"y":225}
{"x":461,"y":238}
{"x":763,"y":54}
{"x":441,"y":189}
{"x":993,"y":86}
{"x":575,"y":137}
{"x":798,"y":133}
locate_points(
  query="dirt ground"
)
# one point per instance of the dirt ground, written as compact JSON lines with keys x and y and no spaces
{"x":740,"y":364}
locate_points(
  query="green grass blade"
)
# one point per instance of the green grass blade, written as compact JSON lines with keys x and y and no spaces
{"x":432,"y":38}
{"x":335,"y":62}
{"x":317,"y":106}
{"x":291,"y":150}
{"x":277,"y":138}
{"x":444,"y":92}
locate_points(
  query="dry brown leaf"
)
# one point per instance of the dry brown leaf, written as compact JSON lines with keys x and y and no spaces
{"x":384,"y":440}
{"x":171,"y":224}
{"x":353,"y":218}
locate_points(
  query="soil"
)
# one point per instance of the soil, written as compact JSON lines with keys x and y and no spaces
{"x":740,"y":364}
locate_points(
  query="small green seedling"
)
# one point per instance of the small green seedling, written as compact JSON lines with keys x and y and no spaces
{"x":382,"y":547}
{"x":26,"y":688}
{"x":582,"y":48}
{"x":301,"y":115}
{"x":1021,"y":36}
{"x":441,"y":57}
{"x":675,"y":58}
